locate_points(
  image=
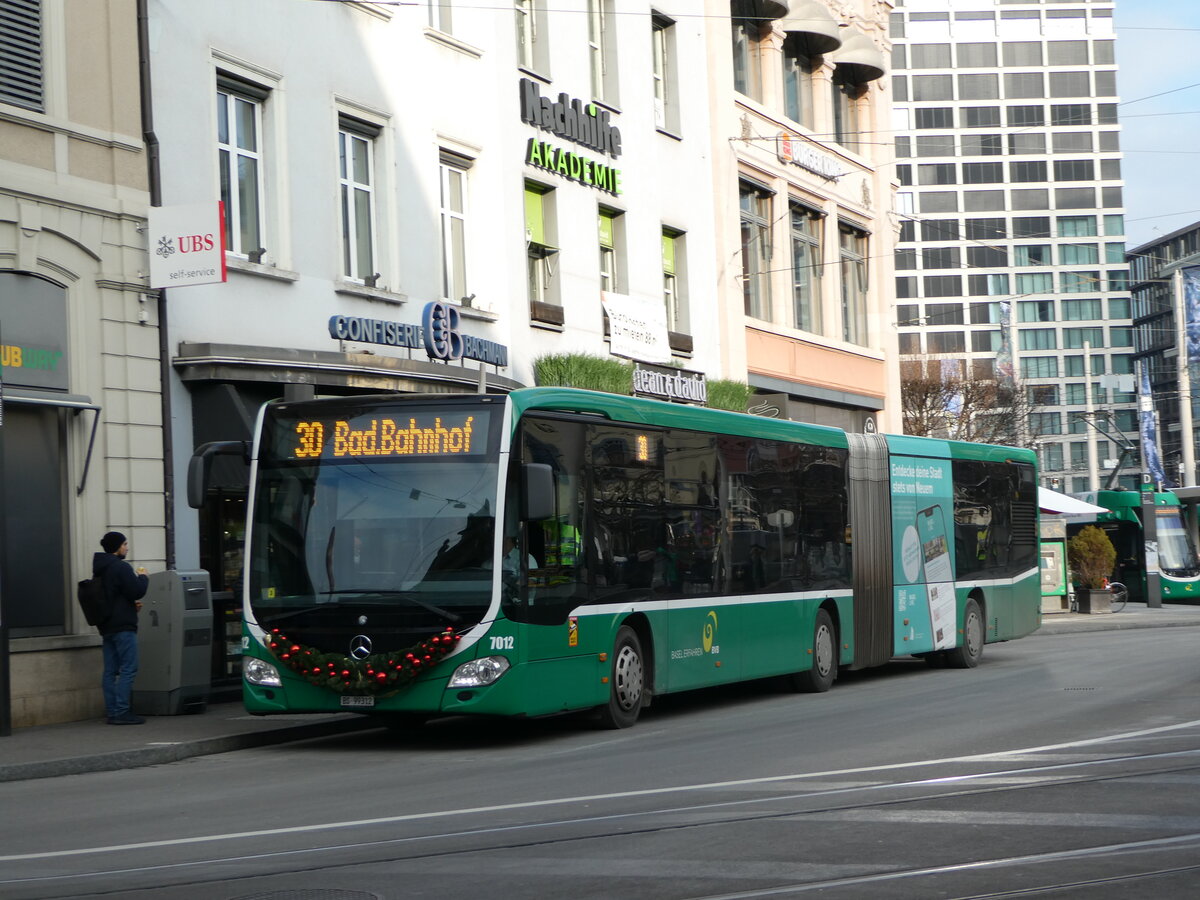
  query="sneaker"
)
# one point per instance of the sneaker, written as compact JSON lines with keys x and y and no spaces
{"x":127,"y":719}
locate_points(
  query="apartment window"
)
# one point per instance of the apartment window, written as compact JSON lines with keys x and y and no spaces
{"x":906,"y":258}
{"x":1109,"y":141}
{"x":932,"y":87}
{"x":1039,"y":367}
{"x":939,"y":230}
{"x":1035,"y":283}
{"x":853,"y":255}
{"x":1110,"y":170}
{"x":1106,"y":114}
{"x":939,"y":201}
{"x":1114,"y":225}
{"x":1052,"y":457}
{"x":1079,"y":282}
{"x":929,"y":56}
{"x":541,"y":252}
{"x":935,"y":117}
{"x":1067,"y":53}
{"x":1071,"y":114}
{"x":1038,"y":339}
{"x":1076,"y":198}
{"x":904,"y":146}
{"x":1033,"y":170}
{"x":612,"y":262}
{"x":900,"y":88}
{"x":440,"y":15}
{"x":937,"y":173}
{"x":1045,"y":423}
{"x":1031,"y":226}
{"x":943,"y":314}
{"x":908,"y":231}
{"x":908,"y":315}
{"x":1026,"y":143}
{"x":980,"y":116}
{"x":1115,"y":252}
{"x":1075,"y":338}
{"x":910,"y":343}
{"x":356,"y":186}
{"x":976,"y":56}
{"x":602,"y":51}
{"x":1035,"y":311}
{"x":1073,"y":365}
{"x":1076,"y":226}
{"x":1081,"y":310}
{"x":673,"y":282}
{"x":21,"y":69}
{"x":240,"y":163}
{"x":980,"y":87}
{"x":666,"y":109}
{"x":987,"y":286}
{"x":906,"y":287}
{"x":1025,"y":116}
{"x":1019,"y":85}
{"x":846,"y":97}
{"x":983,"y":201}
{"x":1106,"y":84}
{"x":1120,"y":336}
{"x":1078,"y":254}
{"x":1032,"y":255}
{"x":1122,"y":363}
{"x":1118,"y":281}
{"x":986,"y":257}
{"x":985,"y":341}
{"x":1070,"y":84}
{"x":940,"y":258}
{"x":1042,"y":394}
{"x":1072,"y":141}
{"x":797,"y":82}
{"x":1118,"y":308}
{"x":985,"y":313}
{"x":943,"y":285}
{"x":947,"y":342}
{"x":452,"y":173}
{"x":904,"y":174}
{"x":1074,"y":170}
{"x":532,"y":46}
{"x":806,"y":268}
{"x":982,"y":145}
{"x":929,"y":144}
{"x":985,"y":229}
{"x":1104,"y":53}
{"x":755,"y":206}
{"x":747,"y":60}
{"x":983,"y":173}
{"x":1022,"y":53}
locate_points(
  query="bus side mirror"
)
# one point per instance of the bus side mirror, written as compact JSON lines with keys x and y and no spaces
{"x":537,"y":491}
{"x":201,"y":462}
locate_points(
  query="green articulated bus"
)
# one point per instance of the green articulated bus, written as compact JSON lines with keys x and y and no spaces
{"x":558,"y":549}
{"x":1179,"y":569}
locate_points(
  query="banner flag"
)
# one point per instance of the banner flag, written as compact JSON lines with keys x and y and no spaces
{"x":1146,"y":421}
{"x":1191,"y":311}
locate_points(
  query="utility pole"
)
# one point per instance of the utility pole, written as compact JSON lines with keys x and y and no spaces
{"x":1089,"y":411}
{"x":1186,"y":438}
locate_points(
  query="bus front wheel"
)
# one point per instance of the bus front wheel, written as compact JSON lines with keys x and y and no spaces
{"x":966,"y":655}
{"x":626,"y":683}
{"x":820,"y":677}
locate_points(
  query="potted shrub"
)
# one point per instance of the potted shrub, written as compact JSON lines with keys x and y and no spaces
{"x":1092,"y":557}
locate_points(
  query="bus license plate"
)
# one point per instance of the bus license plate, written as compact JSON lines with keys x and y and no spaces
{"x":358,"y":701}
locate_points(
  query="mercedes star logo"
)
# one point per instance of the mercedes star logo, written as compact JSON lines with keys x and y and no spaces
{"x":360,"y":646}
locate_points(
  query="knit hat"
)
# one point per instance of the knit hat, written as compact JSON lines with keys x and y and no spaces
{"x":112,"y":541}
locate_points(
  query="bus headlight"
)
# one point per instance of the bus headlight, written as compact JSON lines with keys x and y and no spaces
{"x":479,"y":672}
{"x":261,"y":673}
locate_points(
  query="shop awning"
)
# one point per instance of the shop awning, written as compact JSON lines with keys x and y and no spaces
{"x":810,"y":23}
{"x":861,"y":58}
{"x":1060,"y":504}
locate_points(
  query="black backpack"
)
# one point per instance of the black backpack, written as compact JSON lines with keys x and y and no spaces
{"x":93,"y":600}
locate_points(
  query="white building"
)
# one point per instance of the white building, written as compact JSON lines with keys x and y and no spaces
{"x":1008,"y":151}
{"x":523,"y":163}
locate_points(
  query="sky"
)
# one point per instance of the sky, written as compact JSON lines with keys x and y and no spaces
{"x":1158,"y":50}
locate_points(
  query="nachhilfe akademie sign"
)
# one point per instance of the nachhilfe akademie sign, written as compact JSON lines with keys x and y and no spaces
{"x":585,"y":124}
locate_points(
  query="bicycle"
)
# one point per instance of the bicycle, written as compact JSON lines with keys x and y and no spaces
{"x":1120,"y":596}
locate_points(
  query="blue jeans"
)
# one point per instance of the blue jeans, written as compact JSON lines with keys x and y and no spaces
{"x":120,"y":667}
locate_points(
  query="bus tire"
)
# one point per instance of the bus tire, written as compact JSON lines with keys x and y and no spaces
{"x":626,"y":682}
{"x":967,"y":654}
{"x":821,"y":675}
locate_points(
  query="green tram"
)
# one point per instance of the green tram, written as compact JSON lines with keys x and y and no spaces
{"x":1179,"y":568}
{"x":557,"y":549}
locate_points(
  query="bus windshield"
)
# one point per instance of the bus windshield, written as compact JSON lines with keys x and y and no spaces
{"x":1176,"y":556}
{"x":343,"y":540}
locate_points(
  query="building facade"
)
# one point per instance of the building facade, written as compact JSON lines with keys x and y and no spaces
{"x":1012,"y":242}
{"x":803,"y":204}
{"x":81,"y":435}
{"x":1165,"y":278}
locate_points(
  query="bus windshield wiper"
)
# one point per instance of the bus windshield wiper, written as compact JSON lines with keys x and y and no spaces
{"x":402,"y":595}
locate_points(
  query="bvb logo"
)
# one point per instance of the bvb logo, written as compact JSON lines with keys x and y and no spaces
{"x":710,"y":631}
{"x":442,"y":340}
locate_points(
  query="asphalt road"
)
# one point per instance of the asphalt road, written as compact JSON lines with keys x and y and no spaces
{"x":1063,"y":766}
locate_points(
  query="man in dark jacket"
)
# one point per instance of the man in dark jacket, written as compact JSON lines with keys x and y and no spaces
{"x":124,"y":589}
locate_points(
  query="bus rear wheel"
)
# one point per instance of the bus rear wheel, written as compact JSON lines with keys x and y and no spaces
{"x":626,"y":683}
{"x":966,"y":655}
{"x":820,"y":677}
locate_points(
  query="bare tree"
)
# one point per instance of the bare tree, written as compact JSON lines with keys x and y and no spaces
{"x":940,"y":401}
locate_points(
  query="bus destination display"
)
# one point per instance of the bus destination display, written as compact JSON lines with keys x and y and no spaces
{"x":423,"y":435}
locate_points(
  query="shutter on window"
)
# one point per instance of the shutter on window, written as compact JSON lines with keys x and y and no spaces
{"x":21,"y":53}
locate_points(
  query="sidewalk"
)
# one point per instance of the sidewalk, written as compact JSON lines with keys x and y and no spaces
{"x":76,"y":747}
